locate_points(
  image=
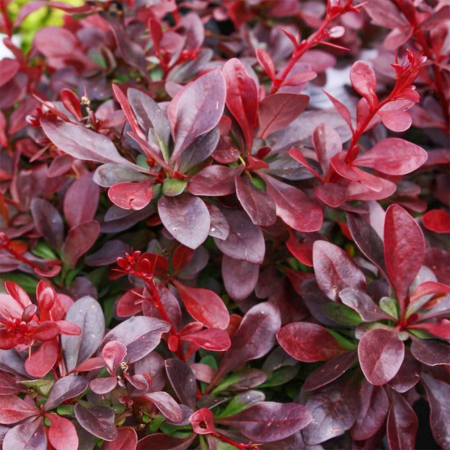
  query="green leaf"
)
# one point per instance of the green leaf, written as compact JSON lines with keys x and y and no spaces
{"x":42,"y":250}
{"x":342,"y":314}
{"x":390,"y":306}
{"x":43,"y":387}
{"x":65,"y":410}
{"x":24,"y":281}
{"x":173,"y":187}
{"x":346,"y":343}
{"x":281,"y":376}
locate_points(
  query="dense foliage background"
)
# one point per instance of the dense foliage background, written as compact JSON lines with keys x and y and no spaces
{"x":224,"y":224}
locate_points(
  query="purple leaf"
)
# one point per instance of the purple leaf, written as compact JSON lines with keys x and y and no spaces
{"x":79,"y":240}
{"x":335,"y":270}
{"x":186,"y":218}
{"x":81,"y":201}
{"x":126,"y":440}
{"x":279,"y":110}
{"x":48,"y":222}
{"x":269,"y":421}
{"x":327,"y":143}
{"x":214,"y":181}
{"x":372,"y":412}
{"x":64,"y":389}
{"x":102,"y":386}
{"x":402,"y":423}
{"x":196,"y":110}
{"x":408,"y":375}
{"x":167,"y":405}
{"x":393,"y":156}
{"x":88,"y":315}
{"x":363,"y":304}
{"x":220,"y":228}
{"x":97,"y":420}
{"x":109,"y":174}
{"x":28,"y":436}
{"x":182,"y":380}
{"x":430,"y":352}
{"x":257,"y":203}
{"x":293,"y":206}
{"x":309,"y":342}
{"x":163,"y":441}
{"x":239,"y":277}
{"x":245,"y":241}
{"x":381,"y":355}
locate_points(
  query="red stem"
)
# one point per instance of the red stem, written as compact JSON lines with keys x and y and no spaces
{"x":230,"y":441}
{"x":6,"y":20}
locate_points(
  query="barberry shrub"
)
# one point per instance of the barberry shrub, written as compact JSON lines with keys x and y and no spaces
{"x":224,"y":224}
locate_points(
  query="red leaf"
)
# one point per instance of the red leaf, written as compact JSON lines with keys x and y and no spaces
{"x":113,"y":354}
{"x":212,"y":339}
{"x":309,"y":342}
{"x":181,"y":257}
{"x":266,"y":62}
{"x":440,"y":329}
{"x":202,"y":421}
{"x":13,"y":410}
{"x":437,"y":220}
{"x":39,"y":363}
{"x":204,"y":305}
{"x":364,"y":81}
{"x":302,"y":251}
{"x":335,"y":270}
{"x":214,"y":181}
{"x":242,"y":98}
{"x":131,"y":195}
{"x":404,"y":249}
{"x":71,"y":103}
{"x":126,"y":440}
{"x":46,"y":331}
{"x":327,"y":144}
{"x":8,"y":68}
{"x":397,"y":121}
{"x":294,"y":207}
{"x":279,"y":110}
{"x":79,"y":240}
{"x":167,"y":405}
{"x":381,"y":355}
{"x":126,"y":108}
{"x":393,"y":156}
{"x":186,"y":218}
{"x":331,"y":194}
{"x":62,"y":433}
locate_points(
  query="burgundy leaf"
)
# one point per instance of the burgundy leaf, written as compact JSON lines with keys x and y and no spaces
{"x":97,"y":420}
{"x":64,"y":389}
{"x":239,"y":277}
{"x":196,"y":110}
{"x":372,"y":413}
{"x":71,"y":103}
{"x":81,"y":201}
{"x":8,"y":68}
{"x":438,"y":394}
{"x":48,"y":222}
{"x":294,"y":207}
{"x":13,"y":410}
{"x":204,"y":306}
{"x":134,"y":196}
{"x":163,"y":441}
{"x":186,"y":218}
{"x":214,"y":181}
{"x":363,"y":304}
{"x":279,"y":110}
{"x":167,"y":405}
{"x":8,"y":385}
{"x":62,"y":433}
{"x":309,"y":342}
{"x":242,"y":98}
{"x":329,"y":371}
{"x":26,"y":437}
{"x":404,"y":249}
{"x":102,"y":386}
{"x":402,"y":423}
{"x":79,"y":240}
{"x":126,"y":440}
{"x":88,"y":315}
{"x":182,"y":380}
{"x":245,"y":241}
{"x":393,"y":156}
{"x":269,"y":421}
{"x":335,"y":270}
{"x":381,"y":355}
{"x":409,"y":374}
{"x":430,"y":352}
{"x":257,"y":203}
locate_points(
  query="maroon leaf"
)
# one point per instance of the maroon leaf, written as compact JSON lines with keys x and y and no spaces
{"x":402,"y":423}
{"x":438,"y":394}
{"x":167,"y":405}
{"x":408,"y":375}
{"x":404,"y":249}
{"x":81,"y":201}
{"x":363,"y":304}
{"x":182,"y":380}
{"x":8,"y":68}
{"x":13,"y":410}
{"x":381,"y":355}
{"x":204,"y":306}
{"x":279,"y":110}
{"x":126,"y":440}
{"x":334,"y":409}
{"x":186,"y":218}
{"x":257,"y":204}
{"x":214,"y":181}
{"x":8,"y":385}
{"x":269,"y":421}
{"x":64,"y":389}
{"x":26,"y":436}
{"x":242,"y":98}
{"x":134,"y":196}
{"x":79,"y":240}
{"x":239,"y":277}
{"x":254,"y":338}
{"x":245,"y":241}
{"x":309,"y":342}
{"x":62,"y":433}
{"x":102,"y":386}
{"x":430,"y":352}
{"x":335,"y":270}
{"x":196,"y":110}
{"x":97,"y":420}
{"x":294,"y":207}
{"x":329,"y":371}
{"x":48,"y":222}
{"x":393,"y":156}
{"x":372,"y":412}
{"x":162,"y":441}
